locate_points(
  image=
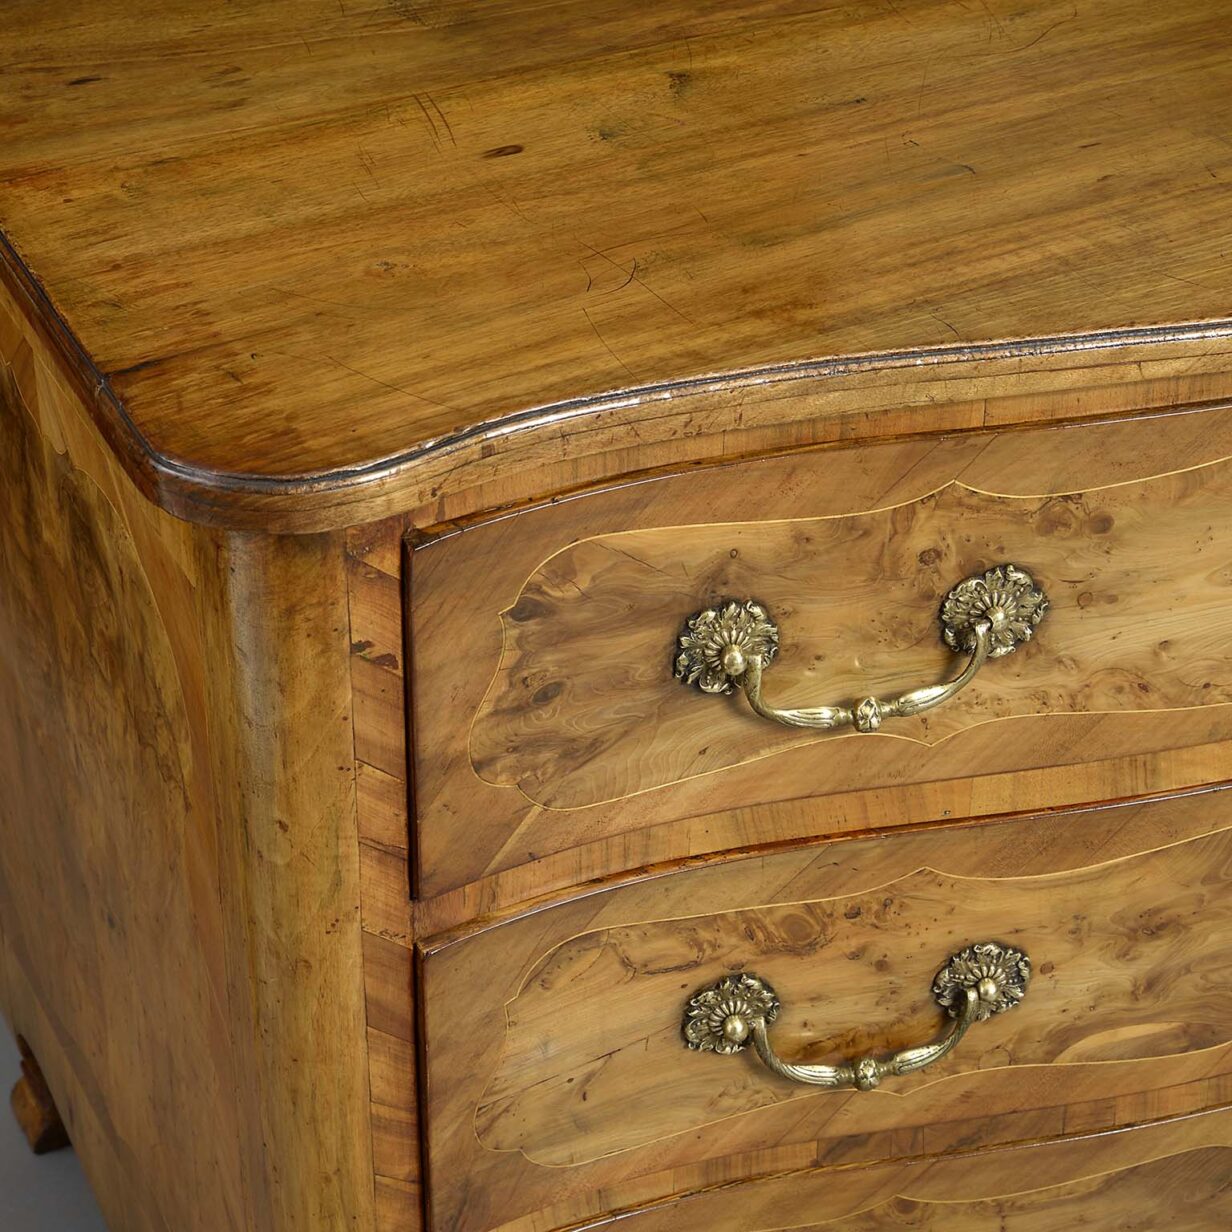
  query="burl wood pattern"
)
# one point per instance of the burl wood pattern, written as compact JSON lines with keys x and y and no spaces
{"x":301,"y":238}
{"x":1123,"y":691}
{"x":358,"y":271}
{"x":1173,"y":1176}
{"x":597,"y":1022}
{"x":179,"y":931}
{"x":557,"y":1079}
{"x":1190,"y":1193}
{"x":583,"y":708}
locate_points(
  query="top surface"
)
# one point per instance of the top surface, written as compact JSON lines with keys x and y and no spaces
{"x":305,"y":238}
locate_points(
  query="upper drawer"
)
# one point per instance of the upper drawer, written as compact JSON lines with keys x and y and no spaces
{"x":559,"y":1086}
{"x":548,"y":724}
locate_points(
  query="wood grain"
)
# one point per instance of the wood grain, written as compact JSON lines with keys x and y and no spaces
{"x":1098,"y":1043}
{"x":576,"y":708}
{"x":180,"y":935}
{"x":375,"y":638}
{"x":1170,"y":1175}
{"x":290,"y":882}
{"x":583,"y":710}
{"x":513,"y":286}
{"x":1187,"y":1194}
{"x":109,"y":862}
{"x":597,"y":1021}
{"x":311,"y":249}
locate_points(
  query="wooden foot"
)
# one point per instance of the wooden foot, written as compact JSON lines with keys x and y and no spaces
{"x":34,"y":1108}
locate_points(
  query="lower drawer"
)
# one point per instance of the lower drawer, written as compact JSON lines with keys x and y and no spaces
{"x":1171,"y":1176}
{"x":560,"y":1087}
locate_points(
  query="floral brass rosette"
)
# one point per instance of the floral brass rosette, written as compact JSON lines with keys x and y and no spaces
{"x":740,"y":997}
{"x":998,"y":973}
{"x":1006,"y":597}
{"x":723,"y":636}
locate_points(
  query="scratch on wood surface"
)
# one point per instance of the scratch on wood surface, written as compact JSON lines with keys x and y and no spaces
{"x":606,"y":345}
{"x":376,"y":380}
{"x":919,"y":102}
{"x":434,"y":130}
{"x":941,"y":320}
{"x":632,"y":276}
{"x":1056,"y":25}
{"x":1189,"y":282}
{"x":994,"y":21}
{"x":444,"y":118}
{"x":511,"y":205}
{"x":629,"y":279}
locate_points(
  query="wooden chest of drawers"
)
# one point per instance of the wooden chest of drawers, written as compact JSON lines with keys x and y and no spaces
{"x":620,"y":611}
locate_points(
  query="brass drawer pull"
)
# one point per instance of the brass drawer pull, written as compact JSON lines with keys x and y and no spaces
{"x":984,"y":617}
{"x":980,"y":981}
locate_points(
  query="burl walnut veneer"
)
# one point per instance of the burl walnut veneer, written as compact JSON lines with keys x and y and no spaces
{"x":620,"y":610}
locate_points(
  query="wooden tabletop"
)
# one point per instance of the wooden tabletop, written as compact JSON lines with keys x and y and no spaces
{"x":319,"y":239}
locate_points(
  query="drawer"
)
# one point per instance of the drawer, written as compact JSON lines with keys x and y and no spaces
{"x":559,"y":1084}
{"x":1169,"y":1177}
{"x":549,"y":727}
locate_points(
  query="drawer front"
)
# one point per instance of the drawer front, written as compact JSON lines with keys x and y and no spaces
{"x":549,"y":721}
{"x":1174,"y":1176}
{"x":559,"y":1082}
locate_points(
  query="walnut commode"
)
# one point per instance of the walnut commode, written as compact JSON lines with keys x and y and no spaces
{"x":620,"y":613}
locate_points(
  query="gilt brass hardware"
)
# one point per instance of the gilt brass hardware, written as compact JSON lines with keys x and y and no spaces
{"x":976,"y":983}
{"x":983,"y":617}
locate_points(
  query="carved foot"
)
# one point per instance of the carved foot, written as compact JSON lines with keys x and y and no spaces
{"x":34,"y":1108}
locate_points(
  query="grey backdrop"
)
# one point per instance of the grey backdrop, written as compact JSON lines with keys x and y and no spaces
{"x":47,"y":1194}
